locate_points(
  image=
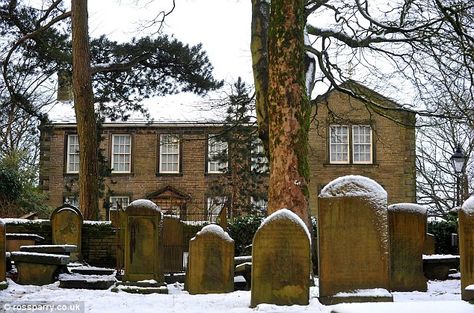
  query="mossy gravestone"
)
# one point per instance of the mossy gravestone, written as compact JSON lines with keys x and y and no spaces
{"x":3,"y":269}
{"x":466,"y":249}
{"x":281,"y":261}
{"x":407,"y":225}
{"x":66,"y":226}
{"x":143,"y":243}
{"x":211,"y":262}
{"x":353,"y":241}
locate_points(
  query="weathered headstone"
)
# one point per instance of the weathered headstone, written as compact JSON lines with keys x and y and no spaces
{"x":3,"y":262}
{"x":173,"y":247}
{"x":211,"y":262}
{"x":407,"y":225}
{"x":353,"y":241}
{"x":281,"y":261}
{"x":466,"y":248}
{"x":429,"y":246}
{"x":141,"y":224}
{"x":66,"y":226}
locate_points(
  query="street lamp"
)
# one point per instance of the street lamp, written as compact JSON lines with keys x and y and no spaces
{"x":457,"y":161}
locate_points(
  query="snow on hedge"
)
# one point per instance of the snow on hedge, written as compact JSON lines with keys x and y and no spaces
{"x":408,"y":207}
{"x":215,"y":230}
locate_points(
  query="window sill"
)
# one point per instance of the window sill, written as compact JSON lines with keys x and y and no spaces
{"x":121,"y":174}
{"x":180,"y":174}
{"x":350,"y":164}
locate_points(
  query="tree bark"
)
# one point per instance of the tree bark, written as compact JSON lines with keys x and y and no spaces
{"x":288,"y":110}
{"x":85,"y":114}
{"x":259,"y":50}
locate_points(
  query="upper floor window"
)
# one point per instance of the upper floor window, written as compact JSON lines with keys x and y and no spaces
{"x":214,"y":207}
{"x":169,"y":153}
{"x":216,"y":156}
{"x":350,"y":144}
{"x":121,"y":153}
{"x":339,"y":144}
{"x":259,"y":204}
{"x":362,"y":144}
{"x":259,"y":161}
{"x":72,"y":162}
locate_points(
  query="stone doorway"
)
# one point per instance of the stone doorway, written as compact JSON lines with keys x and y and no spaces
{"x":171,"y":201}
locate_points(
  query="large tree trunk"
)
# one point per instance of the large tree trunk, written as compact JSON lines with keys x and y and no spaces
{"x":259,"y":49}
{"x":288,"y":109}
{"x":84,"y":108}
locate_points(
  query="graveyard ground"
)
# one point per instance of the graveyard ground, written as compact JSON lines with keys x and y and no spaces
{"x":441,"y":297}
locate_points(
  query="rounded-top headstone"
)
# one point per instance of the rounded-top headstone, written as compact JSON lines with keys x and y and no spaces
{"x":468,"y":206}
{"x":214,"y":230}
{"x":354,"y":186}
{"x":281,"y":261}
{"x":143,"y":206}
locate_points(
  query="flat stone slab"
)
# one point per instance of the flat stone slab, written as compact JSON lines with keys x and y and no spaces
{"x":242,"y":259}
{"x":39,"y":258}
{"x":19,"y":236}
{"x":53,"y":249}
{"x":438,"y":266}
{"x":141,"y":287}
{"x":79,"y":281}
{"x":90,"y":270}
{"x":358,"y":296}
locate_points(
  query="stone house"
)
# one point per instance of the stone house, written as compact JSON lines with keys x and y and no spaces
{"x":351,"y":137}
{"x":171,"y":163}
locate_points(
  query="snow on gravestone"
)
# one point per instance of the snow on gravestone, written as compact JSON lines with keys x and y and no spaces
{"x":466,"y":248}
{"x":142,"y":236}
{"x":211,"y":262}
{"x":281,"y":261}
{"x":3,"y":239}
{"x":66,"y":227}
{"x":407,"y":225}
{"x":352,"y":238}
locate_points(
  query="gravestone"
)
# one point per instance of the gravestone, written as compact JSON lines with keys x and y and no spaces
{"x":173,"y":238}
{"x":466,"y":248}
{"x":281,"y":261}
{"x":3,"y":261}
{"x":407,"y":225}
{"x":353,"y":241}
{"x":429,"y":246}
{"x":66,"y":226}
{"x":211,"y":262}
{"x":141,"y":224}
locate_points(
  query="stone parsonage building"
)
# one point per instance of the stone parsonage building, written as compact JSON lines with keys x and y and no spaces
{"x":173,"y":164}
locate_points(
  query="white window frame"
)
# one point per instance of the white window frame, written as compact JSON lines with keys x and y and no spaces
{"x":259,"y":161}
{"x":214,"y":148}
{"x":346,"y":144}
{"x":214,"y":206}
{"x":72,"y":200}
{"x":72,"y":154}
{"x":114,"y":155}
{"x":165,"y":143}
{"x":115,"y":199}
{"x":259,"y":204}
{"x":366,"y":144}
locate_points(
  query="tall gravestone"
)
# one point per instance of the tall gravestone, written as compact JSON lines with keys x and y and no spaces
{"x":281,"y":261}
{"x":173,"y":247}
{"x":141,"y":224}
{"x":353,"y":241}
{"x":3,"y":269}
{"x":466,"y":248}
{"x":66,"y":226}
{"x":211,"y":262}
{"x":407,"y":225}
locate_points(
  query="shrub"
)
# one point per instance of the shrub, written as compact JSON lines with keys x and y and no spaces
{"x":442,"y":231}
{"x":242,"y":229}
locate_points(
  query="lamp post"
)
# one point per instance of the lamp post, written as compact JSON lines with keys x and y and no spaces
{"x":457,"y":161}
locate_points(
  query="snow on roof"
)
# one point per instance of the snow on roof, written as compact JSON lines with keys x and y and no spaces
{"x":144,"y":203}
{"x":215,"y":230}
{"x":468,"y":206}
{"x":285,"y":214}
{"x":408,"y":207}
{"x":170,"y":109}
{"x":353,"y":186}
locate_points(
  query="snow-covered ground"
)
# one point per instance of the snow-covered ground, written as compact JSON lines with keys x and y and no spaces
{"x":441,"y":297}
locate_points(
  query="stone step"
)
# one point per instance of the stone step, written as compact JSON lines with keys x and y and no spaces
{"x":79,"y":281}
{"x":53,"y":249}
{"x":39,"y":258}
